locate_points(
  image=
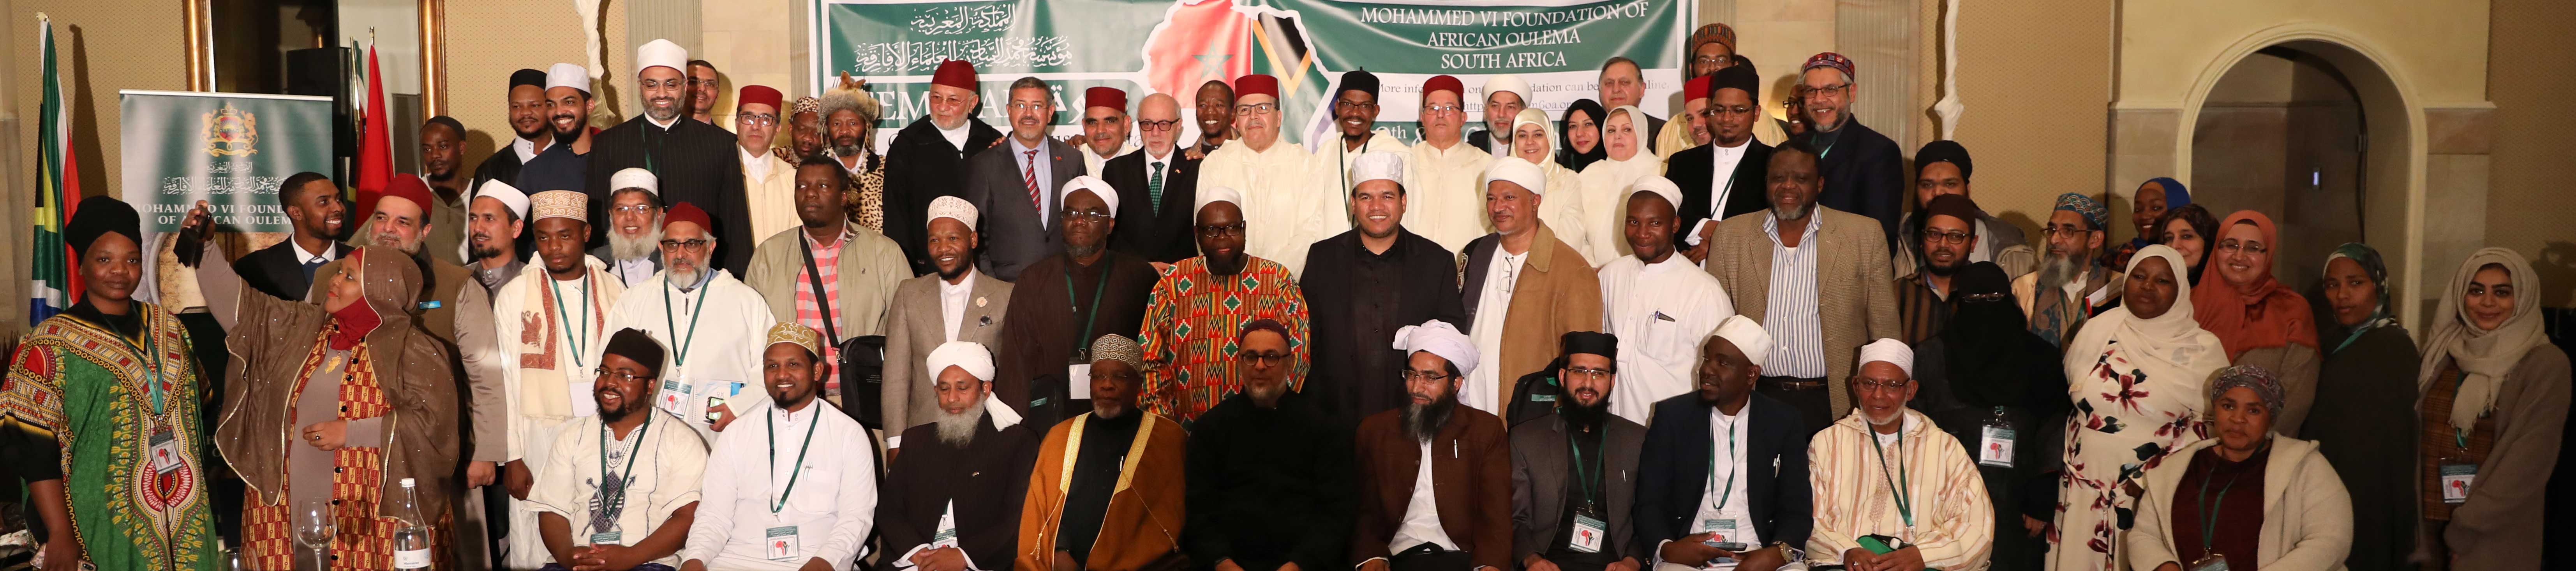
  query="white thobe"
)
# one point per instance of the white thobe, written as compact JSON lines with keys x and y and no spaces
{"x":1379,"y":141}
{"x":714,"y":334}
{"x":1494,"y":305}
{"x":1562,"y":208}
{"x":769,"y":190}
{"x":831,"y":508}
{"x":1288,"y":205}
{"x":660,"y":469}
{"x":1445,"y":201}
{"x":532,"y":432}
{"x":1605,"y":203}
{"x":1091,"y":162}
{"x":1660,"y":312}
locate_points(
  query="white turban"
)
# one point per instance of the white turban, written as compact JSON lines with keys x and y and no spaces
{"x":1890,"y":351}
{"x":1507,"y":82}
{"x":1216,"y":194}
{"x":1748,"y":336}
{"x":661,"y":53}
{"x":1377,"y":166}
{"x":1440,"y":338}
{"x":1099,"y":188}
{"x":568,"y":75}
{"x":1518,"y":172}
{"x":968,"y":355}
{"x":634,"y":178}
{"x":508,"y":195}
{"x":951,"y":207}
{"x":1661,"y":186}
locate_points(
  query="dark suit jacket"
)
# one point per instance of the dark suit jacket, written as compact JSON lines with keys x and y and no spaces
{"x":1155,"y":235}
{"x":1695,"y":169}
{"x":694,"y":163}
{"x":502,"y":165}
{"x":1865,"y":175}
{"x":1429,"y":291}
{"x":275,"y":271}
{"x":1671,"y":481}
{"x":1542,"y":472}
{"x":987,"y":480}
{"x":1470,"y":481}
{"x":1015,"y":234}
{"x":920,"y":166}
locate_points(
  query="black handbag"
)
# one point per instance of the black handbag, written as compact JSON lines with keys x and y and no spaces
{"x":862,"y":360}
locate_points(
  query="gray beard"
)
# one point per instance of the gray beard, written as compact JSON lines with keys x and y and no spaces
{"x":1793,"y":215}
{"x":656,"y":113}
{"x":1081,"y":251}
{"x":1423,"y":421}
{"x":1269,"y":395}
{"x":845,"y":151}
{"x":1108,"y":409}
{"x":958,"y":430}
{"x":684,"y":279}
{"x":2056,"y":270}
{"x":637,"y":248}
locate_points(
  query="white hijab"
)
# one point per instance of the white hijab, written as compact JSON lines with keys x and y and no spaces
{"x":2168,"y":346}
{"x":2484,"y":356}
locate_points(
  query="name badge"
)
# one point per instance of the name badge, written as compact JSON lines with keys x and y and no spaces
{"x":2214,"y":562}
{"x":1721,"y":532}
{"x":947,"y":534}
{"x":1997,"y":448}
{"x":783,"y":545}
{"x":428,"y":305}
{"x":166,"y":455}
{"x":1078,"y":377}
{"x":2456,"y":480}
{"x":675,"y":394}
{"x":606,"y":538}
{"x":1587,"y":534}
{"x":1542,"y":398}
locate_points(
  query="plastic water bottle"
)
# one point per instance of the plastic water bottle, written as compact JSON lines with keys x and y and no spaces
{"x":411,"y":530}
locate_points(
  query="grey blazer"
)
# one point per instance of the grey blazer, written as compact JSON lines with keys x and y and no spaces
{"x":1014,"y":233}
{"x":1542,"y":470}
{"x":915,"y":327}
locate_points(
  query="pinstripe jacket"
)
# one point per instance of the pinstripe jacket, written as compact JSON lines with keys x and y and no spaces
{"x":1855,"y":297}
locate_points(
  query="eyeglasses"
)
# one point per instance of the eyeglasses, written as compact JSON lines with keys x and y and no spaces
{"x":1824,"y":92}
{"x":1251,"y":358}
{"x":1163,"y":125}
{"x":1071,"y":215}
{"x":686,"y":245}
{"x":1356,"y":105}
{"x":2053,"y":231}
{"x":2232,"y":246}
{"x":650,"y":84}
{"x":1444,"y":108}
{"x":1411,"y":375}
{"x":1256,"y":108}
{"x":1031,"y":106}
{"x":633,"y":209}
{"x":1235,"y":229}
{"x":1940,"y":237}
{"x":1719,"y":60}
{"x":759,"y":118}
{"x":1586,"y":373}
{"x":1867,"y":384}
{"x":1985,"y":297}
{"x":618,"y":376}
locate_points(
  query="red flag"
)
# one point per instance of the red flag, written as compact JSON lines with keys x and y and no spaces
{"x":375,"y":146}
{"x":1196,"y":43}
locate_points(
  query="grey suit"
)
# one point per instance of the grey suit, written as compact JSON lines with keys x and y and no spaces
{"x":1014,"y":232}
{"x":1542,"y":466}
{"x":916,"y":327}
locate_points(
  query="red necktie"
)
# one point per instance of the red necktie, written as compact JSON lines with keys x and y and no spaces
{"x":1030,"y":176}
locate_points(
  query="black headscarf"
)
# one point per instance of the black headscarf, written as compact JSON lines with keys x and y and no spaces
{"x":1993,"y":358}
{"x":1565,"y":154}
{"x":99,"y":216}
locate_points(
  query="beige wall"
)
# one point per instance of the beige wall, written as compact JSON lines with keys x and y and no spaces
{"x":2530,"y":208}
{"x":2034,"y":76}
{"x":481,"y":56}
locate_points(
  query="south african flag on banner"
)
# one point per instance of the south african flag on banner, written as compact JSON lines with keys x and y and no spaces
{"x":51,"y":281}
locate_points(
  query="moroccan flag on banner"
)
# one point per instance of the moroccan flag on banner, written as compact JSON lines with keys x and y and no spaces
{"x":52,"y":282}
{"x":375,"y":143}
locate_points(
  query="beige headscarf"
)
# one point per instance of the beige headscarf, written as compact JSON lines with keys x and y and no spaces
{"x":2484,"y":356}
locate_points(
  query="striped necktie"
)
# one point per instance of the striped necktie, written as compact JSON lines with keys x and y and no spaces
{"x":1030,"y":176}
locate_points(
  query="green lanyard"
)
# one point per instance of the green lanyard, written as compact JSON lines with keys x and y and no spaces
{"x":1096,"y":289}
{"x":1587,"y":483}
{"x":780,"y":503}
{"x":1903,"y":507}
{"x":681,"y":358}
{"x":634,"y":455}
{"x":149,"y":353}
{"x":579,"y":336}
{"x":2209,"y":511}
{"x":1727,"y":492}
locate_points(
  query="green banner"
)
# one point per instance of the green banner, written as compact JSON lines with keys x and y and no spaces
{"x":229,"y":149}
{"x":1174,"y":46}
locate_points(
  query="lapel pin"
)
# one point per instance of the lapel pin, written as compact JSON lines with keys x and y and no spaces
{"x":979,"y":302}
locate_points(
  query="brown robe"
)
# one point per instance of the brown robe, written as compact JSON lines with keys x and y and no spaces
{"x":1143,"y":522}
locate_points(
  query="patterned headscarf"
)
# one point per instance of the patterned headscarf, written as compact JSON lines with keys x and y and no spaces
{"x":1720,"y":33}
{"x":2092,"y":210}
{"x":808,"y":104}
{"x":2377,"y":269}
{"x":2266,"y":385}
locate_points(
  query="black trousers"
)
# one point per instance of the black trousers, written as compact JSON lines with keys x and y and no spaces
{"x":1810,"y":397}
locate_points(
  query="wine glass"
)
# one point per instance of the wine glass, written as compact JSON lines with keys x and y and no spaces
{"x":314,"y":527}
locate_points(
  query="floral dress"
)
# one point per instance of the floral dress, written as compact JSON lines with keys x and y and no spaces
{"x":2127,"y":417}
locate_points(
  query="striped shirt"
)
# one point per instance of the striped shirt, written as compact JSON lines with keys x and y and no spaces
{"x":1790,"y":313}
{"x":1944,"y":510}
{"x":1922,"y":311}
{"x":827,"y":263}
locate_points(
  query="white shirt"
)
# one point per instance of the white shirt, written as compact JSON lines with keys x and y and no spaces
{"x":1660,"y":312}
{"x":661,"y":468}
{"x":329,"y":248}
{"x":832,"y":506}
{"x":633,"y":272}
{"x":1091,"y":162}
{"x":1790,"y":315}
{"x":953,"y":300}
{"x":1721,"y":174}
{"x":752,"y":164}
{"x":648,"y":118}
{"x":1727,"y":436}
{"x":526,"y":149}
{"x":718,"y":359}
{"x":1494,"y":304}
{"x":1445,"y":201}
{"x":956,"y":137}
{"x":1422,"y":513}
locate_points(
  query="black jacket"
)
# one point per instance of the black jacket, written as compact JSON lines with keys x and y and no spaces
{"x":983,"y":483}
{"x":1671,"y":480}
{"x":275,"y":271}
{"x":921,"y":166}
{"x":1695,"y":169}
{"x":1155,"y":235}
{"x":1268,"y":487}
{"x":1429,"y":290}
{"x":693,"y":162}
{"x":1865,"y":175}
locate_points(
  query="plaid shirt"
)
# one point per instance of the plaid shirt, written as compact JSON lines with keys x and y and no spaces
{"x":827,"y":261}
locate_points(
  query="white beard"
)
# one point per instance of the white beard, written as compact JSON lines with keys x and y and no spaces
{"x":959,"y":429}
{"x":637,"y":248}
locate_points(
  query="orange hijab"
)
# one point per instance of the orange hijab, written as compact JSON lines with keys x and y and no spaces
{"x":2255,"y":315}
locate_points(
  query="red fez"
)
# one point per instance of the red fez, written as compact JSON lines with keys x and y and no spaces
{"x":405,"y":185}
{"x":685,"y":212}
{"x":1105,"y":96}
{"x":1256,"y":84}
{"x":1695,"y":89}
{"x":760,"y":94}
{"x":955,"y":73}
{"x":1443,"y":82}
